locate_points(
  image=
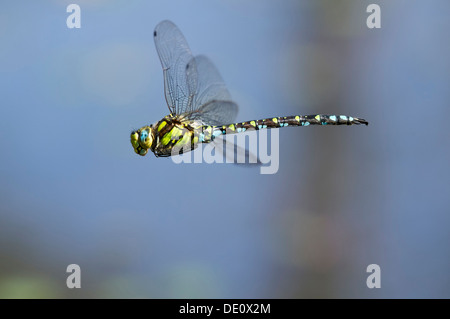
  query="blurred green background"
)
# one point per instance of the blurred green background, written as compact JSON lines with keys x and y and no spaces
{"x":73,"y":191}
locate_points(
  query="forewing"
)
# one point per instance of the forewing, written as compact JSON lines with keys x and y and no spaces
{"x":174,"y":53}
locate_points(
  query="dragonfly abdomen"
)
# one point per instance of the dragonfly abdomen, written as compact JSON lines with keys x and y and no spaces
{"x":319,"y":119}
{"x":303,"y":120}
{"x":208,"y":133}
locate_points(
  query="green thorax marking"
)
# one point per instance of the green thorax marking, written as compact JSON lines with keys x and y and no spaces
{"x":170,"y":133}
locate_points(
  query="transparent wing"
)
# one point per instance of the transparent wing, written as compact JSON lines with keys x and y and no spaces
{"x":211,"y":101}
{"x":193,"y":86}
{"x":174,"y":53}
{"x":236,"y":154}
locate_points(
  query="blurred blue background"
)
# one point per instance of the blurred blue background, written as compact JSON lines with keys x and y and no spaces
{"x":73,"y":191}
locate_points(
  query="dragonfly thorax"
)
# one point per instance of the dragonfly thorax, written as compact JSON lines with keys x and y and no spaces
{"x":174,"y":135}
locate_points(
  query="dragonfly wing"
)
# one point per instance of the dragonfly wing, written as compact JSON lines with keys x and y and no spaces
{"x":174,"y":53}
{"x":212,"y":102}
{"x":236,"y":154}
{"x":216,"y":113}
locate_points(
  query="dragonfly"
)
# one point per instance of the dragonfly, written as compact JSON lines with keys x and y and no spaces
{"x":201,"y":108}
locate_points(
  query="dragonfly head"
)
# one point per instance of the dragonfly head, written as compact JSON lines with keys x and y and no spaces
{"x":142,"y":140}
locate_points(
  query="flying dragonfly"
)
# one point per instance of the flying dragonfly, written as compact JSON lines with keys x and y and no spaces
{"x":200,"y":105}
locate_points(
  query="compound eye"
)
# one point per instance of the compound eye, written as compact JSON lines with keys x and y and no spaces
{"x":144,"y":136}
{"x":145,"y":139}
